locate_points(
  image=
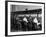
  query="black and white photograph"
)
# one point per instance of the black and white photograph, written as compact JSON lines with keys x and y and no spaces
{"x":25,"y":18}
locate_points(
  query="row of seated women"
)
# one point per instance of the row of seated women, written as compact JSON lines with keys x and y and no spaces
{"x":26,"y":25}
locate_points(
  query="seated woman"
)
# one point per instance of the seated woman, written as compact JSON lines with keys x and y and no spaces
{"x":38,"y":24}
{"x":32,"y":24}
{"x":29,"y":23}
{"x":24,"y":24}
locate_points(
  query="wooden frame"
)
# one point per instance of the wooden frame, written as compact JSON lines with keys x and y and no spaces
{"x":6,"y":18}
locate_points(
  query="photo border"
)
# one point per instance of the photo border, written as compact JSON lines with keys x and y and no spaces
{"x":6,"y":18}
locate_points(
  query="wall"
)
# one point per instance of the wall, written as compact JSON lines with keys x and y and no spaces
{"x":23,"y":7}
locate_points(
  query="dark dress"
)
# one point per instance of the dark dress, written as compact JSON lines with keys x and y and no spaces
{"x":23,"y":26}
{"x":31,"y":26}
